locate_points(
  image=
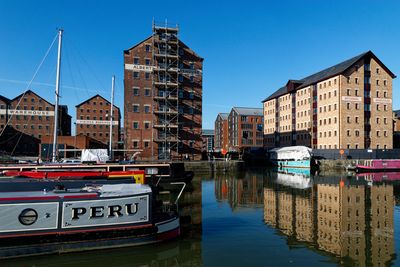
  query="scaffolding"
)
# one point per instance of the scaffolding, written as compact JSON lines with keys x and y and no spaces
{"x":165,"y":80}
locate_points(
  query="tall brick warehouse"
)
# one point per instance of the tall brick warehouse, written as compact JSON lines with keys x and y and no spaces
{"x":347,"y":106}
{"x":163,"y":97}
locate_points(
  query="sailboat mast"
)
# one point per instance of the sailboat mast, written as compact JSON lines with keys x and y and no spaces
{"x":111,"y":114}
{"x":54,"y":154}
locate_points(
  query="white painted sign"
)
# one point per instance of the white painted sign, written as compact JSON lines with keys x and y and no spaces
{"x":351,"y":98}
{"x":27,"y":112}
{"x":95,"y":122}
{"x":139,"y":67}
{"x":145,"y":68}
{"x":134,"y":209}
{"x":382,"y":100}
{"x":191,"y":71}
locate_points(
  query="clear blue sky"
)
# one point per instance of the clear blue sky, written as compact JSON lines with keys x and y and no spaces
{"x":250,"y":48}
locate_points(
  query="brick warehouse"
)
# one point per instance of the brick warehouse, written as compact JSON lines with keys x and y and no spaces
{"x":163,"y":97}
{"x":245,"y":128}
{"x":221,"y":132}
{"x":347,"y":106}
{"x":93,"y":120}
{"x":31,"y":117}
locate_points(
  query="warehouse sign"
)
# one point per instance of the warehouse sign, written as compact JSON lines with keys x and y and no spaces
{"x":27,"y":112}
{"x":95,"y":122}
{"x":382,"y":100}
{"x":351,"y":98}
{"x":145,"y":68}
{"x":135,"y":67}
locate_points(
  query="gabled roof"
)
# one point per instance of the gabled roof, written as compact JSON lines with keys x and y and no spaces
{"x":4,"y":99}
{"x":328,"y":73}
{"x":87,"y":100}
{"x":30,"y":92}
{"x":207,"y":132}
{"x":248,"y":111}
{"x":223,"y":116}
{"x":151,"y":36}
{"x":148,"y":38}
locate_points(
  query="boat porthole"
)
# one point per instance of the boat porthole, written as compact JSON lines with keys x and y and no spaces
{"x":28,"y":216}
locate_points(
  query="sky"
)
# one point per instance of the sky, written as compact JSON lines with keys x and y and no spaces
{"x":250,"y":48}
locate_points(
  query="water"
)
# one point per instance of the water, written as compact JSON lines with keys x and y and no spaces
{"x":264,"y":218}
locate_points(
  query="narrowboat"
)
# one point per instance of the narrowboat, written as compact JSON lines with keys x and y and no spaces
{"x":379,"y":165}
{"x":137,"y":175}
{"x":72,"y":219}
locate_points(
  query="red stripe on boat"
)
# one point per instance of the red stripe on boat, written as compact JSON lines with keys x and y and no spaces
{"x":29,"y":198}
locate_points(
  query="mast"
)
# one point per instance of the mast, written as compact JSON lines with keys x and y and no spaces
{"x":111,"y":114}
{"x":54,"y":154}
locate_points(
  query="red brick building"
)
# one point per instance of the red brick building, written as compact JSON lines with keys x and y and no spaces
{"x":245,"y":128}
{"x":93,"y":120}
{"x":221,"y":132}
{"x":163,"y":97}
{"x":30,"y":117}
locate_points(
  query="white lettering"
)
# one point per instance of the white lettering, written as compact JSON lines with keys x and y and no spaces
{"x":95,"y":122}
{"x":27,"y":112}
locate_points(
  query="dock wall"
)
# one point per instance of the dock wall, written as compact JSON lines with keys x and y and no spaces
{"x":215,"y":166}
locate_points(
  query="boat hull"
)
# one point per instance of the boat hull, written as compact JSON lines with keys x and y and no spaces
{"x":59,"y":221}
{"x":379,"y":165}
{"x":292,"y":163}
{"x":66,"y":244}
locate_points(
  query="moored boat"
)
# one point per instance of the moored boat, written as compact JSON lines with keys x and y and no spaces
{"x":137,"y":175}
{"x":291,"y":157}
{"x":94,"y":217}
{"x":379,"y":165}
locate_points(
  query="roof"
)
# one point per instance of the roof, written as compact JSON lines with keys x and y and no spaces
{"x":180,"y":41}
{"x":87,"y":100}
{"x":328,"y":73}
{"x":4,"y":99}
{"x":248,"y":111}
{"x":207,"y":132}
{"x":30,"y":92}
{"x":397,"y":113}
{"x":223,"y":116}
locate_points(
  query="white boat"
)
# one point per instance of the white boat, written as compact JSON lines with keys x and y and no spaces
{"x":291,"y":157}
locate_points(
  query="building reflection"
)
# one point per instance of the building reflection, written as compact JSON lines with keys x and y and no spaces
{"x":241,"y":191}
{"x":348,"y":218}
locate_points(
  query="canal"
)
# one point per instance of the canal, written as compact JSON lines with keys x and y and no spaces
{"x":269,"y":218}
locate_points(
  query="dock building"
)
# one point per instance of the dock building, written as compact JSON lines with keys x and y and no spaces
{"x":93,"y":120}
{"x":163,"y":96}
{"x":27,"y":118}
{"x":221,"y":132}
{"x":245,"y":128}
{"x":346,"y":106}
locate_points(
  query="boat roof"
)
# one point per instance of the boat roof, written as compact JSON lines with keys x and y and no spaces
{"x":291,"y":148}
{"x":94,"y":191}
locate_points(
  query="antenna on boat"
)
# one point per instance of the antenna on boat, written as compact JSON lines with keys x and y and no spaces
{"x":54,"y":155}
{"x":111,"y":113}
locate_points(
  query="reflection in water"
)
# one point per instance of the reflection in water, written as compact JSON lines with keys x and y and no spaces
{"x":243,"y":191}
{"x":186,"y":251}
{"x":348,"y":218}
